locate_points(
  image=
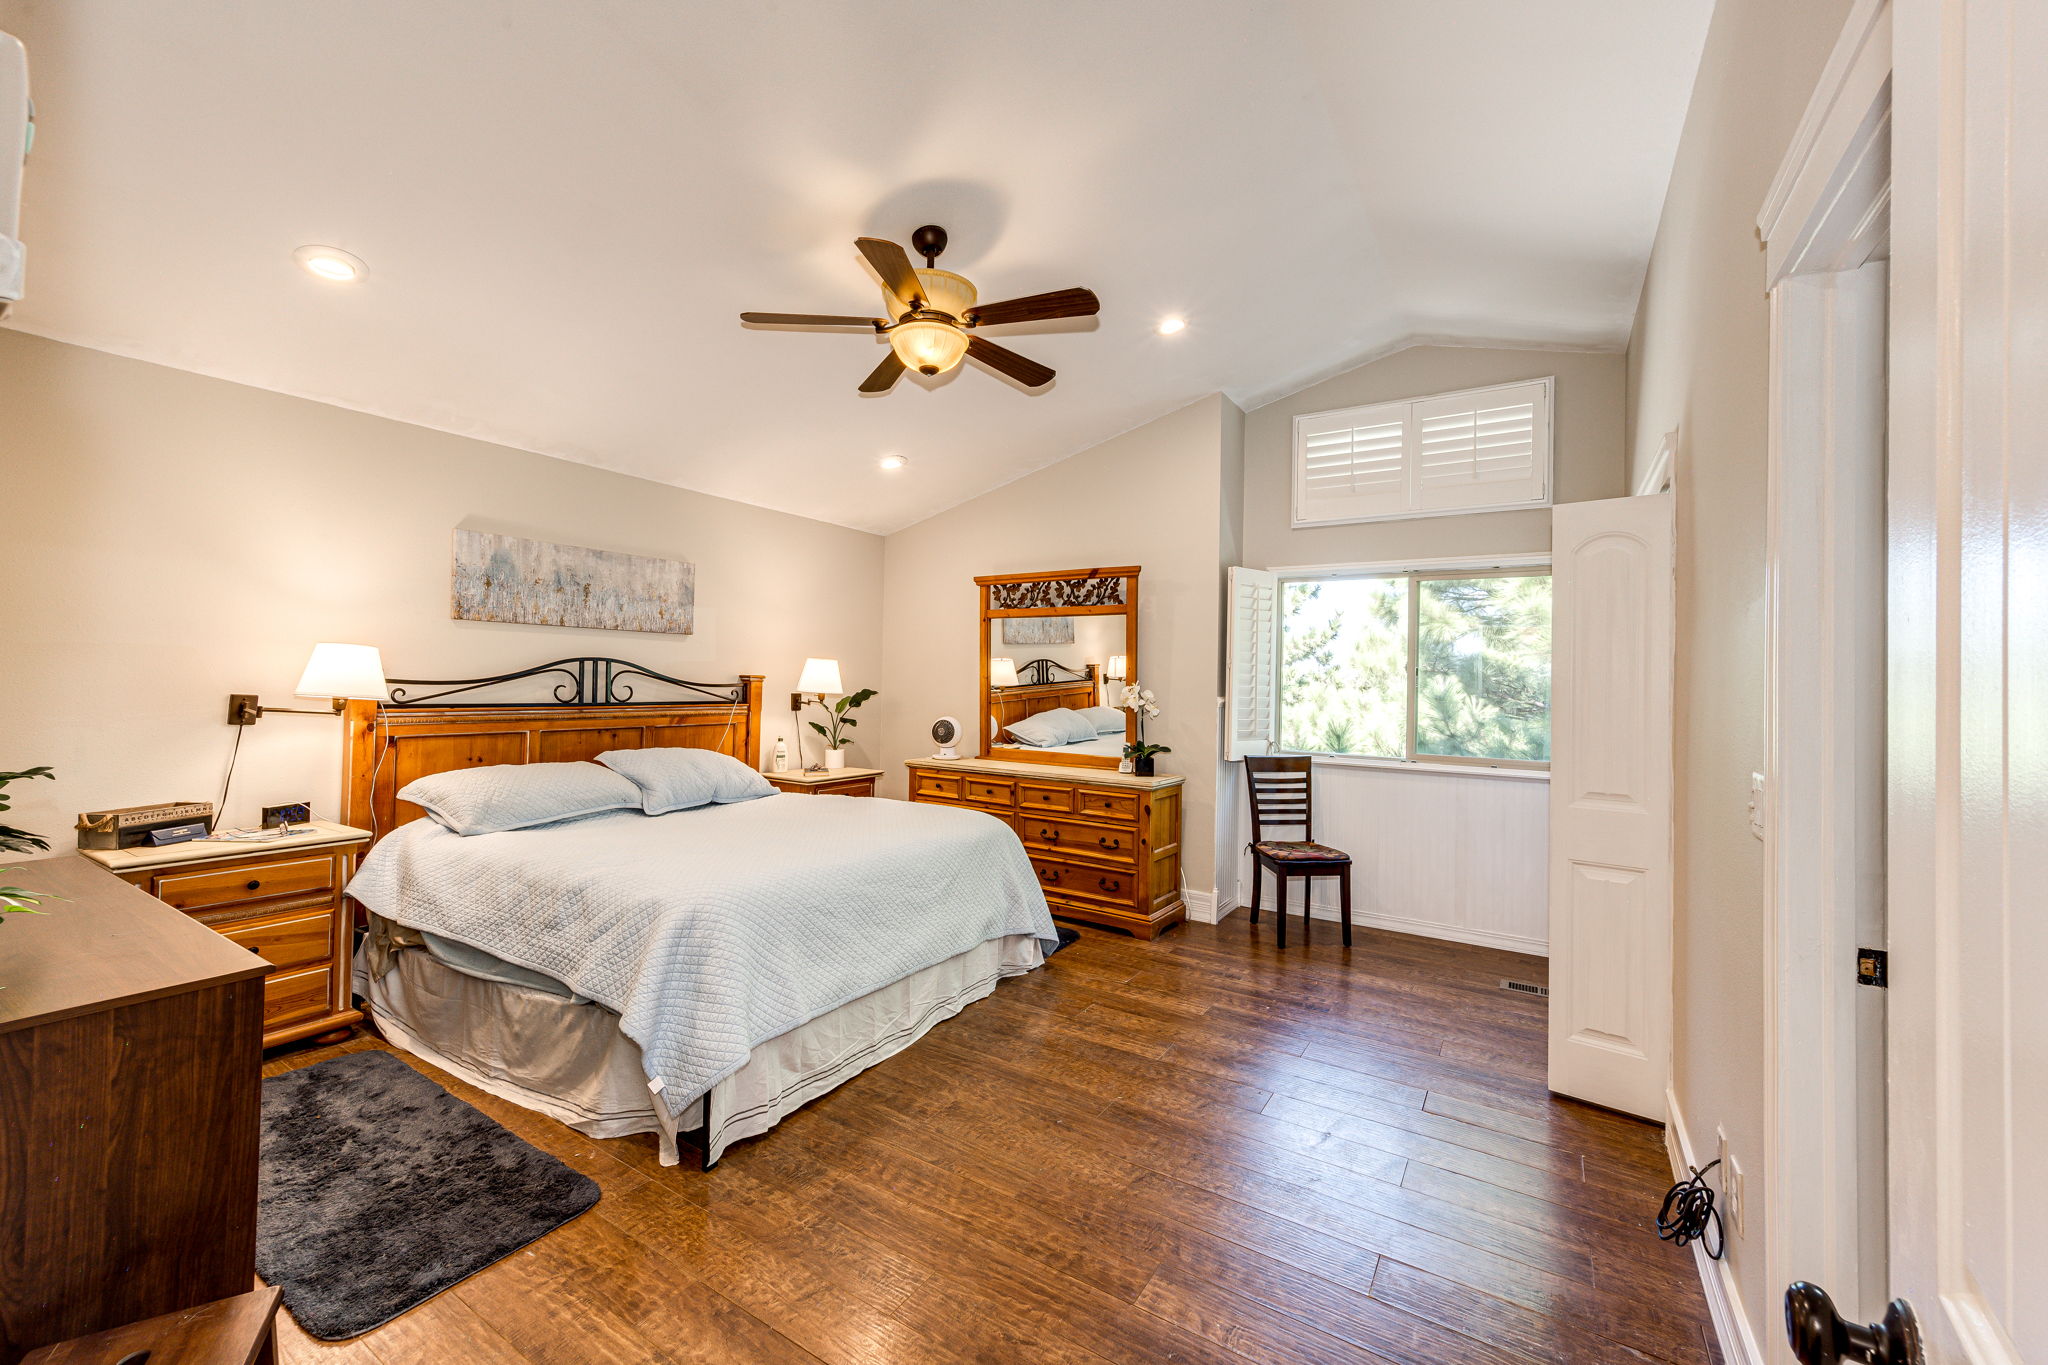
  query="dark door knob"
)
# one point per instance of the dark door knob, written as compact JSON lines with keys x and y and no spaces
{"x":1819,"y":1336}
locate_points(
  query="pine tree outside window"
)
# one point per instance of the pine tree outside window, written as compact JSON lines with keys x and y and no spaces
{"x":1430,"y":668}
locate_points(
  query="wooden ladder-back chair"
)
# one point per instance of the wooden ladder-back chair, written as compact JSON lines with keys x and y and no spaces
{"x":1282,"y":794}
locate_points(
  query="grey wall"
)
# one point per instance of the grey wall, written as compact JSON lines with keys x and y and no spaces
{"x":1699,"y":364}
{"x":1587,"y":455}
{"x":173,"y":538}
{"x":1151,"y":497}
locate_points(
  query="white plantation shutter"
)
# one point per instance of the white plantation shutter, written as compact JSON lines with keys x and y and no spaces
{"x":1485,"y":449}
{"x":1457,"y":452}
{"x":1351,"y":464}
{"x":1252,"y":709}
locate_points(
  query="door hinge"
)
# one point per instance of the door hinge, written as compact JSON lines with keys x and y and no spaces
{"x":1872,"y":967}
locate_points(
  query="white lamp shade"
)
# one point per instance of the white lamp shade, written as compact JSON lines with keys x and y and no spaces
{"x":821,"y":676}
{"x":1116,"y":667}
{"x":1002,"y":672}
{"x":352,"y":671}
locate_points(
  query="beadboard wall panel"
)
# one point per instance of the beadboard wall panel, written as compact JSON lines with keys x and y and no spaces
{"x":1445,"y":855}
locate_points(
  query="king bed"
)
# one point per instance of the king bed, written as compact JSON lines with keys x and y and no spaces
{"x":628,"y":960}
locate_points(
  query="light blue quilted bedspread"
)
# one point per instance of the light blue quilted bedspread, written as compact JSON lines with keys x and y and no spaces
{"x":712,"y":930}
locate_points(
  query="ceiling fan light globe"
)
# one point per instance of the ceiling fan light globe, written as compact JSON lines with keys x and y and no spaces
{"x":928,"y":346}
{"x":946,"y":292}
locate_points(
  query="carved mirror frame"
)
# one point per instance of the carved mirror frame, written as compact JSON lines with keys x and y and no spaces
{"x":1060,"y":592}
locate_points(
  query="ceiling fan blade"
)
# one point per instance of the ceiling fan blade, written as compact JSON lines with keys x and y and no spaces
{"x":808,"y":320}
{"x":893,"y":266}
{"x":884,"y":377}
{"x":1060,"y":303}
{"x":1029,"y":373}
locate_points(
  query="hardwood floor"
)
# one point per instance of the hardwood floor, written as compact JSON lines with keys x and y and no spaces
{"x":1198,"y":1149}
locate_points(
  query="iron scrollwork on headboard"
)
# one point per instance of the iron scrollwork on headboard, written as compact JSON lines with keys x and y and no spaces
{"x":1045,"y":672}
{"x":586,"y":681}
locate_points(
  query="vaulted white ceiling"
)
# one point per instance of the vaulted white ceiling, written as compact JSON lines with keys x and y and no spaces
{"x":563,"y":206}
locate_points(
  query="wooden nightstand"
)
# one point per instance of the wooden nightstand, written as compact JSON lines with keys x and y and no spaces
{"x":282,"y":901}
{"x":831,"y":782}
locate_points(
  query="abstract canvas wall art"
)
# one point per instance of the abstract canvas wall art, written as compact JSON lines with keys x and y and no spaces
{"x":1038,"y":630}
{"x":537,"y":583}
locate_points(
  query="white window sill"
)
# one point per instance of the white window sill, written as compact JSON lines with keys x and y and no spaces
{"x":1402,"y":765}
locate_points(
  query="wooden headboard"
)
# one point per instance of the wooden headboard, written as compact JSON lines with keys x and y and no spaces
{"x":1012,"y":704}
{"x":598,"y":708}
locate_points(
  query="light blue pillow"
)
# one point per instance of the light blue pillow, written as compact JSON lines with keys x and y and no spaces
{"x":518,"y":795}
{"x":1107,"y":720}
{"x":1050,"y":729}
{"x":681,"y":779}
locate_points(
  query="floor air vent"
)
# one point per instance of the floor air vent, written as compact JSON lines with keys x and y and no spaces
{"x":1525,"y":988}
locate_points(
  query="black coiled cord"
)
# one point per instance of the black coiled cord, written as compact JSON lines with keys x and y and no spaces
{"x":1689,"y":1211}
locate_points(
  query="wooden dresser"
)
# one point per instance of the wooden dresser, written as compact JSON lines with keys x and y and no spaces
{"x":1106,"y":845}
{"x":281,"y":901}
{"x":131,"y":1056}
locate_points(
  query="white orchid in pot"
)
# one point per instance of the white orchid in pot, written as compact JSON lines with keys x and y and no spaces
{"x":1138,"y":700}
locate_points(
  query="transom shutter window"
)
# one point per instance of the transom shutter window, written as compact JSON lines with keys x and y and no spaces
{"x":1353,"y":464}
{"x":1478,"y":450}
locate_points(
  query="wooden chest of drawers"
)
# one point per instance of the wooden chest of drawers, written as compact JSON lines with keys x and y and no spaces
{"x":281,"y":901}
{"x":1106,"y":846}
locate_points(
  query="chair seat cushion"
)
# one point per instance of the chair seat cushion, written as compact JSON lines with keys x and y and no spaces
{"x":1297,"y":851}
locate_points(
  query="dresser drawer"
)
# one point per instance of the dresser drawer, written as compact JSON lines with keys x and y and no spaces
{"x":1038,"y":796}
{"x":292,"y":996}
{"x":224,"y":886}
{"x":1057,"y":878}
{"x":945,"y":786}
{"x":294,"y":941}
{"x":991,"y":792}
{"x":1067,"y":836}
{"x":1106,"y":805}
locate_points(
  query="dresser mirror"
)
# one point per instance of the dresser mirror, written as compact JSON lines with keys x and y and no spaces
{"x":1056,"y":648}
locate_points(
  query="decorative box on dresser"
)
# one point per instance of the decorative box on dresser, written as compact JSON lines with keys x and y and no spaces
{"x":1105,"y":845}
{"x":282,"y":901}
{"x":131,"y":1057}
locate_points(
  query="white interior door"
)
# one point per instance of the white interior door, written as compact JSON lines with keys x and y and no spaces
{"x":1610,"y":803}
{"x":1968,"y":855}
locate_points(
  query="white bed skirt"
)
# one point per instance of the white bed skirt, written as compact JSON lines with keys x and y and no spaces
{"x":571,"y":1062}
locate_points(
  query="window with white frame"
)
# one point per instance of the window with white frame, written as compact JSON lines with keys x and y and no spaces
{"x":1449,"y":667}
{"x":1477,"y":450}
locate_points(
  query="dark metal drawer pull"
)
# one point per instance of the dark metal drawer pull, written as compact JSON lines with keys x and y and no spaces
{"x":253,"y":884}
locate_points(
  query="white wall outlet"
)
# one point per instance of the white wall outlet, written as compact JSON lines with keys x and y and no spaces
{"x":1730,"y":1174}
{"x":1756,"y":804}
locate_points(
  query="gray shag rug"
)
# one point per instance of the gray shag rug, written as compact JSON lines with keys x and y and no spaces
{"x":380,"y":1189}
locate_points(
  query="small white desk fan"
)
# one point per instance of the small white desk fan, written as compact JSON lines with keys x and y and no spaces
{"x":945,"y":734}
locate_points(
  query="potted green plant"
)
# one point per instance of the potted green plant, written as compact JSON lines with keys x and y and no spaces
{"x":15,"y":900}
{"x":836,"y":717}
{"x":1138,"y":700}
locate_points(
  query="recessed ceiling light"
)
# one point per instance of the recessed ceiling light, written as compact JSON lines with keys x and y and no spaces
{"x":1168,"y":326}
{"x":331,"y":263}
{"x":892,"y":462}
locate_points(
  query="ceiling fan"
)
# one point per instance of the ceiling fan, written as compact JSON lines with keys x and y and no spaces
{"x":935,"y":315}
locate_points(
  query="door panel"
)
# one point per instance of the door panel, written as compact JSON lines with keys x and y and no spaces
{"x":1610,"y":803}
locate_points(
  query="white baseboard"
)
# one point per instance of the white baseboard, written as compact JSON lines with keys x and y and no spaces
{"x":1422,"y":928}
{"x":1201,"y":906}
{"x":1717,"y":1278}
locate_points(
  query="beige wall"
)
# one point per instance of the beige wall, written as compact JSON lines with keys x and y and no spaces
{"x":1698,"y":364}
{"x":172,"y":538}
{"x":1150,"y":497}
{"x":1587,"y":455}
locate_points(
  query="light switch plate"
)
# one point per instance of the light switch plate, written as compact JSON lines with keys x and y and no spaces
{"x":1757,"y":796}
